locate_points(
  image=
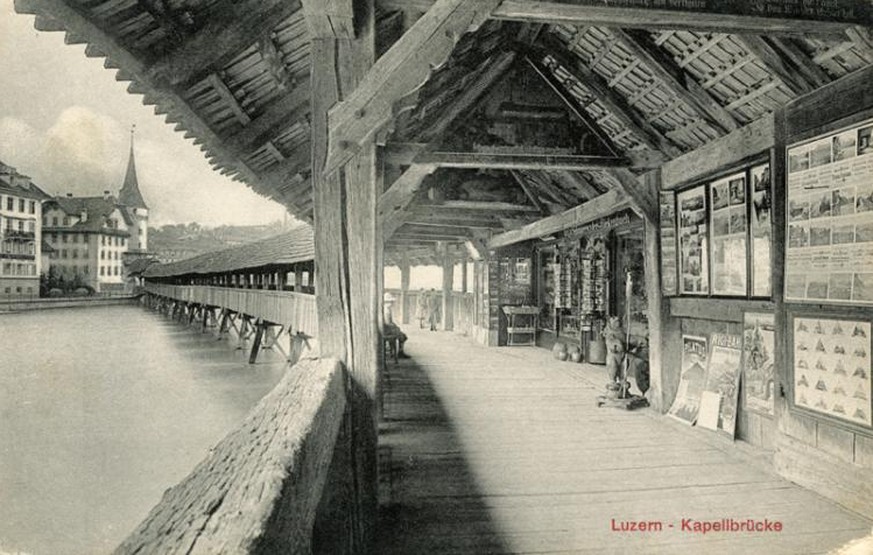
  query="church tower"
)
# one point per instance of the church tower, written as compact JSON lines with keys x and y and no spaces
{"x":131,"y":198}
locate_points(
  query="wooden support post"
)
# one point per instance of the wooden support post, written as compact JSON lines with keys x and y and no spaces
{"x":348,"y":281}
{"x":192,"y":313}
{"x":222,"y":326}
{"x":256,"y":346}
{"x":463,"y":275}
{"x":448,"y":278}
{"x":205,"y":313}
{"x":404,"y":288}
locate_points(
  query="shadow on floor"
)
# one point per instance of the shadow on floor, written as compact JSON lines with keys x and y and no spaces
{"x":429,"y":499}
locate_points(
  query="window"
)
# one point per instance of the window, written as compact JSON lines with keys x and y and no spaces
{"x":63,"y":253}
{"x":66,"y":220}
{"x":64,"y":238}
{"x":45,"y":221}
{"x":75,"y":237}
{"x":10,"y":204}
{"x":103,"y":240}
{"x":102,"y":270}
{"x":75,"y":253}
{"x":102,"y":255}
{"x":21,"y":225}
{"x":55,"y":221}
{"x":21,"y":205}
{"x":32,"y":207}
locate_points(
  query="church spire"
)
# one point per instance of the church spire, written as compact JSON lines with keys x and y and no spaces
{"x":129,"y":194}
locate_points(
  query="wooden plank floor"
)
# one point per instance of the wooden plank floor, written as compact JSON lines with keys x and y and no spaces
{"x":503,"y":450}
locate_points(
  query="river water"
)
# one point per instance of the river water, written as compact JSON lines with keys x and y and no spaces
{"x":101,"y":410}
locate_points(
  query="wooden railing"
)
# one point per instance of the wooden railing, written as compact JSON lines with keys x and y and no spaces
{"x":259,"y":489}
{"x":296,"y":311}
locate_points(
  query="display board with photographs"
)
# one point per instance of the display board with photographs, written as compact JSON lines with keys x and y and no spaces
{"x":759,"y":344}
{"x":761,"y":231}
{"x":727,"y":199}
{"x":692,"y":379}
{"x":693,"y":242}
{"x":829,"y":213}
{"x":669,"y":285}
{"x":831,"y":360}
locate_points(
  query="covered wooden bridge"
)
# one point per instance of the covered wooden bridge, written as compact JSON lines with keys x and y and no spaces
{"x":664,"y":150}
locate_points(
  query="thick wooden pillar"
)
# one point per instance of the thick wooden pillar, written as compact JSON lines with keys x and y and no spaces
{"x":448,"y":279}
{"x":348,"y":268}
{"x":463,"y":276}
{"x":404,"y":289}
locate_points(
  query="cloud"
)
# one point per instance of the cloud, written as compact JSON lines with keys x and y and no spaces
{"x":84,"y":152}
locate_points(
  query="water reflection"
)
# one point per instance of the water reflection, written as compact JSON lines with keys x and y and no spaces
{"x":103,"y":409}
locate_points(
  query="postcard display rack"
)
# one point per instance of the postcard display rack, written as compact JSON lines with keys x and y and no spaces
{"x":829,"y":262}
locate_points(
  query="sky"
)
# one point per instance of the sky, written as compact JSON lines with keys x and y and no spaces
{"x":65,"y":122}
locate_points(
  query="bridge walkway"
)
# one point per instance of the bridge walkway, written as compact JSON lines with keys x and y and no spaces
{"x":503,"y":450}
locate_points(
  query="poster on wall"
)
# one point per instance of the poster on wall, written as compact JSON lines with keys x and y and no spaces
{"x":761,"y":230}
{"x":691,"y":380}
{"x":832,"y":368}
{"x":669,"y":268}
{"x":723,"y":379}
{"x":829,"y":218}
{"x":693,"y":256}
{"x":759,"y":343}
{"x":728,"y":227}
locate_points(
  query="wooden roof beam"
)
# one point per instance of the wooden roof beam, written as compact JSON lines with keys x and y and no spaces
{"x":231,"y":29}
{"x":664,"y":68}
{"x":228,"y":99}
{"x":775,"y":64}
{"x":611,"y":100}
{"x":530,"y":190}
{"x":409,"y":228}
{"x":330,"y":19}
{"x":505,"y":161}
{"x":494,"y":69}
{"x":490,"y":207}
{"x":404,"y":154}
{"x":636,"y":17}
{"x":399,"y":71}
{"x":573,"y":104}
{"x":394,"y":201}
{"x":278,"y":115}
{"x":594,"y":209}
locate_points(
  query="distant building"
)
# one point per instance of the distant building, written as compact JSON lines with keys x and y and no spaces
{"x":20,"y":234}
{"x":92,"y":236}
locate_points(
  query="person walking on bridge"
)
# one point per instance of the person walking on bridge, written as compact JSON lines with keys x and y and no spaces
{"x":434,"y":309}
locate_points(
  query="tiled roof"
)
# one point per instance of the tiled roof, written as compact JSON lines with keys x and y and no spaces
{"x":30,"y":191}
{"x":288,"y":248}
{"x":97,"y":208}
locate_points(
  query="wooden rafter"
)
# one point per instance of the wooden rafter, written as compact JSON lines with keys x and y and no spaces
{"x":494,"y":69}
{"x":227,"y":98}
{"x":611,"y":100}
{"x":634,"y":16}
{"x":394,"y":201}
{"x":572,"y":104}
{"x":278,"y":115}
{"x":530,"y":190}
{"x":677,"y":81}
{"x":330,"y":18}
{"x":814,"y":74}
{"x":775,"y":64}
{"x":407,"y":64}
{"x":232,"y":29}
{"x":273,"y":58}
